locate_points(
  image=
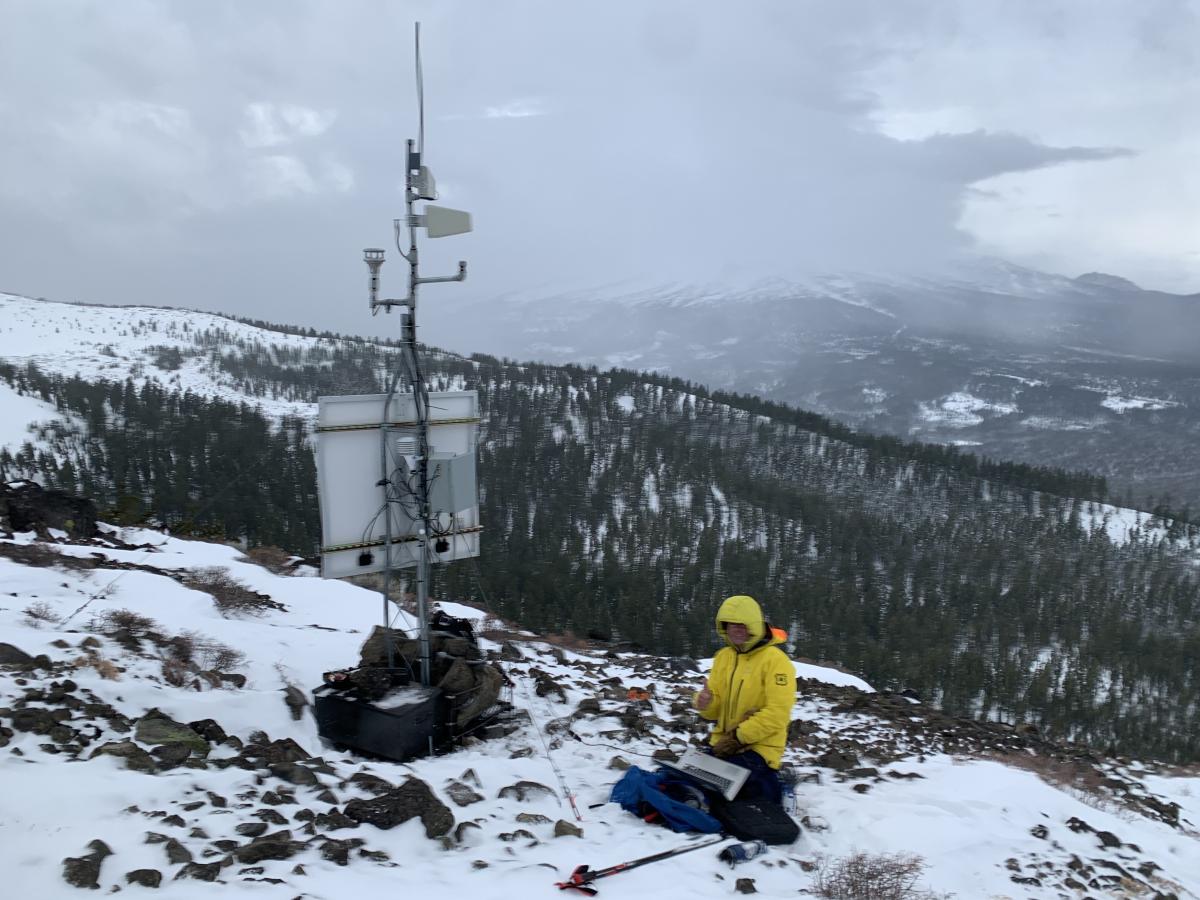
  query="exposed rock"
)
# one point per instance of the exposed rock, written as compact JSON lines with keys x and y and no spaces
{"x":150,"y":878}
{"x":457,"y":680}
{"x":619,"y":763}
{"x":832,"y":759}
{"x":171,"y":755}
{"x":278,"y":845}
{"x":563,"y":828}
{"x":176,"y":852}
{"x":34,"y":720}
{"x":158,"y":728}
{"x":372,"y":784}
{"x":200,"y":871}
{"x":745,"y":886}
{"x":84,"y":871}
{"x":510,"y":653}
{"x":532,"y":819}
{"x":461,"y":794}
{"x":338,"y":852}
{"x":413,"y":798}
{"x":296,"y":700}
{"x":525,"y":789}
{"x":334,"y":820}
{"x":251,"y":829}
{"x":489,"y":681}
{"x":238,"y":681}
{"x":209,"y":730}
{"x":270,"y":816}
{"x":271,"y":753}
{"x":294,"y":773}
{"x":30,"y":507}
{"x":519,"y":834}
{"x":134,"y":756}
{"x":588,"y":706}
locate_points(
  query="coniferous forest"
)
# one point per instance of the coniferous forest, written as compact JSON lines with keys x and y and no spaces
{"x":624,"y":506}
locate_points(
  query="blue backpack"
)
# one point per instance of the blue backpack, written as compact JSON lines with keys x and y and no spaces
{"x":678,"y":802}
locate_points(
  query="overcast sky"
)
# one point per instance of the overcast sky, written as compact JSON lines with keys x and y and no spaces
{"x":237,"y":156}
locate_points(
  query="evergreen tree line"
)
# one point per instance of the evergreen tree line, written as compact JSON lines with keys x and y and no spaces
{"x":626,"y":507}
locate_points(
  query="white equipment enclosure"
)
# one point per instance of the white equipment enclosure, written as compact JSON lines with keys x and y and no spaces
{"x":368,"y":477}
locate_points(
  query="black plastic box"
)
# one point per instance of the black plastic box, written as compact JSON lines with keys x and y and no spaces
{"x":405,"y":723}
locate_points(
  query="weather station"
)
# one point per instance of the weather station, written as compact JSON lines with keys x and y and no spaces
{"x":397,"y":489}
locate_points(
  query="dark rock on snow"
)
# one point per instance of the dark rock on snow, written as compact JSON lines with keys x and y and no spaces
{"x":84,"y":871}
{"x":411,"y":799}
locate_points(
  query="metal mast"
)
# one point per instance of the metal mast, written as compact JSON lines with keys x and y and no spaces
{"x":438,"y":222}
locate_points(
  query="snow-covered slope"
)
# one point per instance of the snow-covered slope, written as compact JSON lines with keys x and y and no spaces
{"x":990,"y":811}
{"x":120,"y":342}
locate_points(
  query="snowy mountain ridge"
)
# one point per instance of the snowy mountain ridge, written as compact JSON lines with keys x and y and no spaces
{"x":88,"y":689}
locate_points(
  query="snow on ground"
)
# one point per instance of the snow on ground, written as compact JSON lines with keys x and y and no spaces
{"x":965,"y":817}
{"x":1119,"y":403}
{"x":18,"y":416}
{"x":962,"y":410}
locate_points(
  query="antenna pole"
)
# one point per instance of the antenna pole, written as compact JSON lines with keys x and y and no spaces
{"x":421,"y":403}
{"x":438,"y":222}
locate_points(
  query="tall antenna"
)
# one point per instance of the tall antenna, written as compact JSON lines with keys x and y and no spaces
{"x":420,"y":94}
{"x":438,"y":222}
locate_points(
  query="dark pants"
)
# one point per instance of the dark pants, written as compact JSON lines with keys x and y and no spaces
{"x":763,"y":782}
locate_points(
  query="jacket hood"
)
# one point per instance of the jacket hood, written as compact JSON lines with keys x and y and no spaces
{"x":746,"y":611}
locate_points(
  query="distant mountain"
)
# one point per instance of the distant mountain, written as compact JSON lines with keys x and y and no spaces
{"x":1090,"y":373}
{"x":621,"y":506}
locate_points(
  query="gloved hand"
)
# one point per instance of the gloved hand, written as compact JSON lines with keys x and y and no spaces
{"x":728,"y":745}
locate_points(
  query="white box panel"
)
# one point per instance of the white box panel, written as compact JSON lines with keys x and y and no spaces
{"x":350,"y":467}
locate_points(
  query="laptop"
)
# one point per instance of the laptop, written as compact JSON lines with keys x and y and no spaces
{"x":725,"y":778}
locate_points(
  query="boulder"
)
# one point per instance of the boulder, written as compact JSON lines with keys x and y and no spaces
{"x":14,"y":657}
{"x":461,"y":794}
{"x":488,"y":683}
{"x":278,"y":845}
{"x":200,"y":871}
{"x":372,"y":784}
{"x":296,"y":700}
{"x":209,"y":730}
{"x":135,"y":757}
{"x":158,"y":728}
{"x":84,"y":871}
{"x":284,"y":750}
{"x":150,"y":878}
{"x":30,"y":507}
{"x":34,"y":720}
{"x":176,"y":852}
{"x":411,"y":799}
{"x":525,"y":789}
{"x":563,"y":828}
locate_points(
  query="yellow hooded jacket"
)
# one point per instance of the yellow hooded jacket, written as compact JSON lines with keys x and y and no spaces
{"x":753,"y":686}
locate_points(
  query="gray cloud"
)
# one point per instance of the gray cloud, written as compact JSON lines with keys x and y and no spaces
{"x":237,"y":156}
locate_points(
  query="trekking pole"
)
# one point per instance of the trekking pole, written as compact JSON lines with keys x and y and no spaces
{"x":583,"y":876}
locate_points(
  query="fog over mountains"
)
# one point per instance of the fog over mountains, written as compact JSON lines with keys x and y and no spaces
{"x":1090,"y":372}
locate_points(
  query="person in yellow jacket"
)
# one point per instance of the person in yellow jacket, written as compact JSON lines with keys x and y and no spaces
{"x":749,"y":694}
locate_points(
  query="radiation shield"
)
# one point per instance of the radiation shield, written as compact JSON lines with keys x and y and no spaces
{"x":354,"y":437}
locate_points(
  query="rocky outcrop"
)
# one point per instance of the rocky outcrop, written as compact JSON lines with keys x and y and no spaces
{"x":410,"y":800}
{"x":27,"y":506}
